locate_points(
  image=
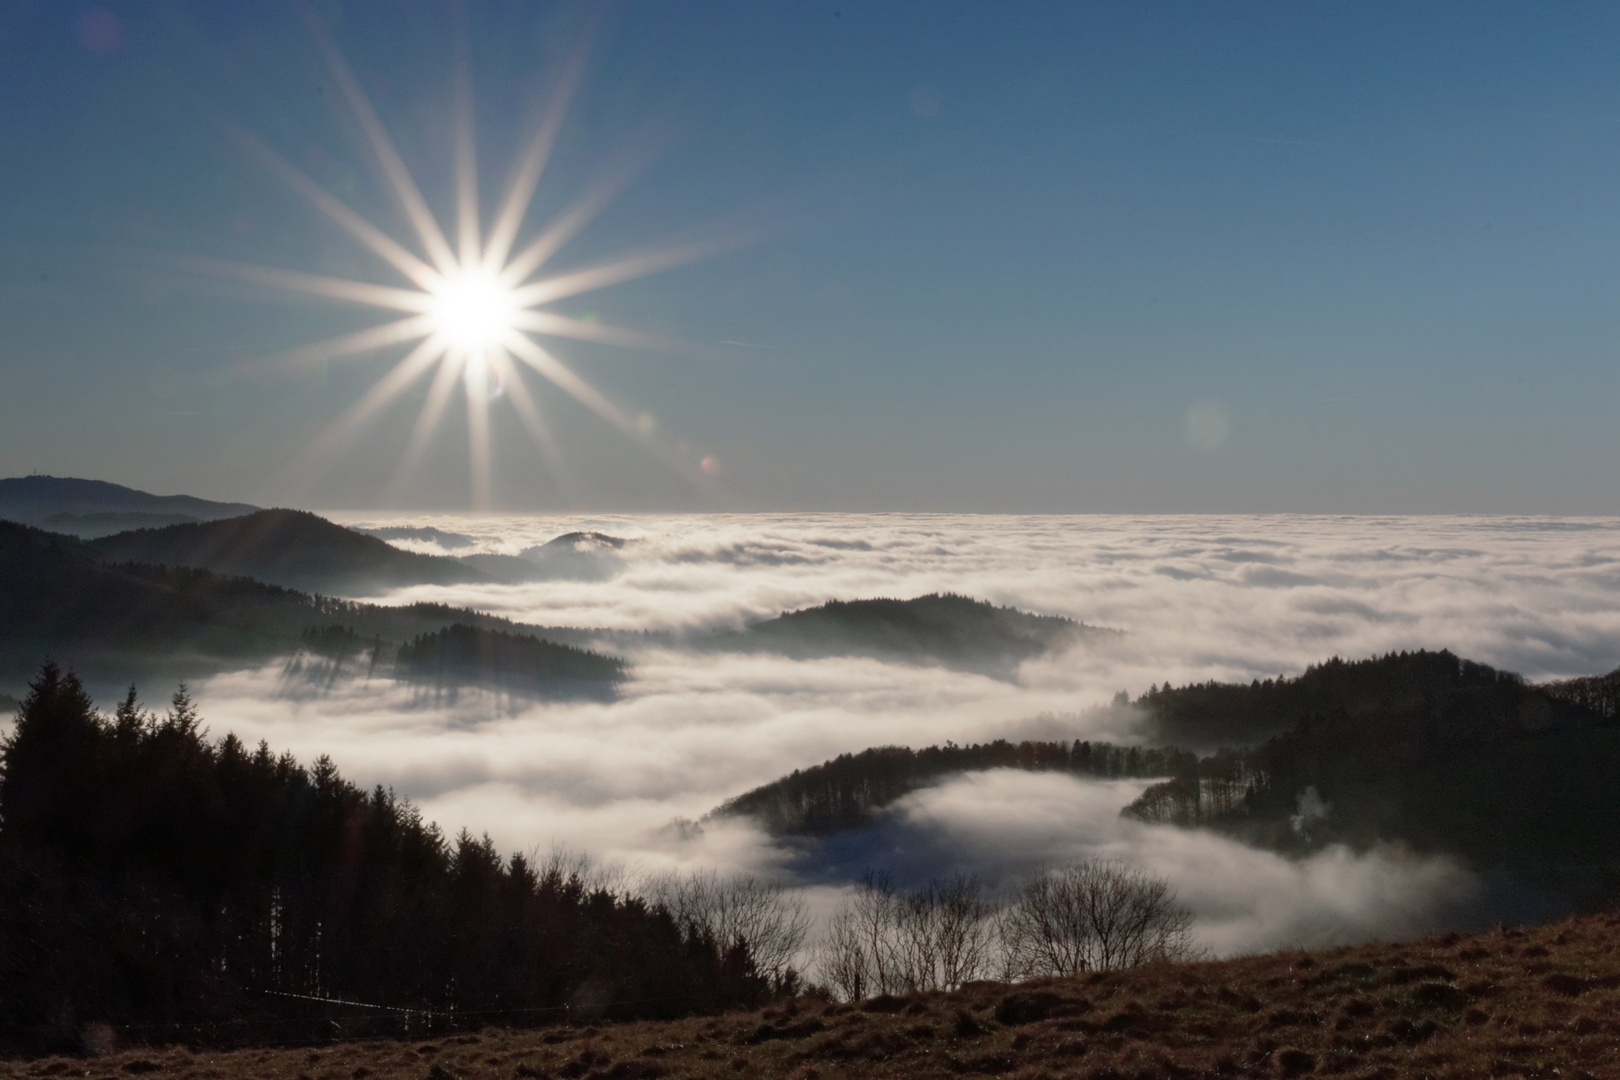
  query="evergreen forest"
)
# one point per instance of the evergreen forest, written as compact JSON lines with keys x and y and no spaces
{"x":186,"y":889}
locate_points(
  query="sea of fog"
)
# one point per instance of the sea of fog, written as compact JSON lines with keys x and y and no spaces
{"x":1230,"y":598}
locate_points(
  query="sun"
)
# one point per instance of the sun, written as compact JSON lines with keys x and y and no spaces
{"x":471,"y":312}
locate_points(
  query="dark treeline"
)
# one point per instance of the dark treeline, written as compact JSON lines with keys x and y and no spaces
{"x":182,"y":889}
{"x":336,"y":641}
{"x":1234,"y":714}
{"x":1599,"y":693}
{"x":520,"y":662}
{"x":1459,"y":758}
{"x":846,"y":792}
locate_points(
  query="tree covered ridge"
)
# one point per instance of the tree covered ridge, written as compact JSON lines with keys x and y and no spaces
{"x":1599,"y":693}
{"x":848,"y":791}
{"x":1440,"y":753}
{"x":156,"y":880}
{"x":940,"y":627}
{"x":461,"y":653}
{"x":1215,"y":714}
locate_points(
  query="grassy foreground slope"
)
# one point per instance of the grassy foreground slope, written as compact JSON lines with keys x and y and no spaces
{"x":1539,"y":1002}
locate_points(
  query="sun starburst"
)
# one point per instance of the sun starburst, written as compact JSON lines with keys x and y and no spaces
{"x":472,"y":312}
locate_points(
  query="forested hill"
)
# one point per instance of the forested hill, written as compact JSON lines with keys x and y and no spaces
{"x":201,"y":892}
{"x":850,"y":790}
{"x":1423,"y":748}
{"x":521,"y":663}
{"x":1459,"y":695}
{"x":1598,"y":693}
{"x":1498,"y":772}
{"x":287,"y":547}
{"x":117,"y":624}
{"x":942,"y":628}
{"x":64,"y":503}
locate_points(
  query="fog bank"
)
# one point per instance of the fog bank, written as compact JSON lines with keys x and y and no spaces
{"x":1198,"y":598}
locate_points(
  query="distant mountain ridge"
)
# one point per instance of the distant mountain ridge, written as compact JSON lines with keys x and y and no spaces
{"x":118,"y":623}
{"x":419,"y":532}
{"x":575,"y":556}
{"x":36,"y":500}
{"x":89,"y":526}
{"x":291,"y":548}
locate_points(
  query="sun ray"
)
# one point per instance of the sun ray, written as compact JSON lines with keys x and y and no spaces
{"x":564,"y":228}
{"x":527,"y":350}
{"x":560,"y":375}
{"x":321,"y":451}
{"x":479,"y":449}
{"x":361,"y":341}
{"x":427,"y":421}
{"x":385,"y":246}
{"x":357,"y":292}
{"x":545,"y":322}
{"x":466,"y":155}
{"x":534,"y":421}
{"x":610,"y":273}
{"x":383,"y":392}
{"x":393,"y":166}
{"x":526,"y":177}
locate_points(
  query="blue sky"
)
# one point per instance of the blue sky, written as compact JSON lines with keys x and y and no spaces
{"x":1021,"y":257}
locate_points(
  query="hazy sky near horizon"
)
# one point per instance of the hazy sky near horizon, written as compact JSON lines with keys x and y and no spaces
{"x":1020,"y":257}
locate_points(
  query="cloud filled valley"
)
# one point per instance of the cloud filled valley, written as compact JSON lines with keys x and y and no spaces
{"x":1197,"y":598}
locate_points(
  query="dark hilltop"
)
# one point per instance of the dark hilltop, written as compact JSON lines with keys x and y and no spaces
{"x":940,"y":628}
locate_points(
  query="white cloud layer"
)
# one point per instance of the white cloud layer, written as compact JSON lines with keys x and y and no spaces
{"x":1005,"y":823}
{"x":1199,"y":598}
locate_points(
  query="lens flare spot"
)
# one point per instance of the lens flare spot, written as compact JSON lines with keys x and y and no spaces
{"x":1208,"y":424}
{"x":710,"y":464}
{"x":101,"y":31}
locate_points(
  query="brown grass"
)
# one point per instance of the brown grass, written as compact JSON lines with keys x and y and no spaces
{"x":1540,"y":1002}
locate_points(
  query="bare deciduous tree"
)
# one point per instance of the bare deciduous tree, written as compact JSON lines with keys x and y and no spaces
{"x":965,"y":929}
{"x":842,"y":962}
{"x":755,"y":911}
{"x":890,"y":941}
{"x":562,"y":865}
{"x":1094,"y":916}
